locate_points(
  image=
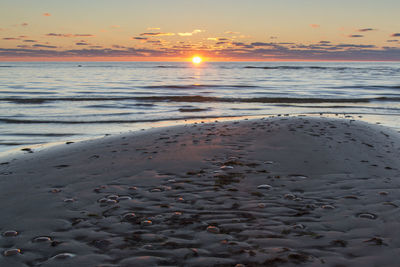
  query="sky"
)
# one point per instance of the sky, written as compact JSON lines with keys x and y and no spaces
{"x":217,"y":30}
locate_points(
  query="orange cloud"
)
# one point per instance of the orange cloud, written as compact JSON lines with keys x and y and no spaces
{"x":314,"y":25}
{"x":189,"y":33}
{"x":69,"y":35}
{"x":24,"y":24}
{"x":157,"y":34}
{"x":153,"y":29}
{"x":139,"y":38}
{"x":46,"y":14}
{"x":366,"y":30}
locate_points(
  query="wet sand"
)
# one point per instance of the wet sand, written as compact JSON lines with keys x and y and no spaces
{"x":273,"y":192}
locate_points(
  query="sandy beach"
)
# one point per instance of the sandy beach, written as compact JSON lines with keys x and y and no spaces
{"x":277,"y":191}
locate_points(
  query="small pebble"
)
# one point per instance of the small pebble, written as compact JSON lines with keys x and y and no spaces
{"x":55,"y":190}
{"x":299,"y":226}
{"x":102,"y":200}
{"x":213,"y":229}
{"x":268,"y":162}
{"x":10,"y":233}
{"x":383,"y":193}
{"x":180,"y":199}
{"x":328,"y":207}
{"x":12,"y":252}
{"x":298,"y":176}
{"x":129,"y":216}
{"x":367,"y":216}
{"x":146,"y":223}
{"x":155,"y":190}
{"x":68,"y":200}
{"x":289,"y":196}
{"x":132,"y":188}
{"x":42,"y":239}
{"x":63,"y":256}
{"x":177,"y":214}
{"x":239,"y":265}
{"x":264,"y":186}
{"x":171,"y":181}
{"x":113,"y":197}
{"x":261,"y":205}
{"x":122,"y":198}
{"x":111,"y":201}
{"x":224,"y":168}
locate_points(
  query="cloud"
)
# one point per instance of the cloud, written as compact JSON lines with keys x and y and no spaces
{"x":366,"y":30}
{"x":395,"y":35}
{"x":140,"y":38}
{"x":154,"y":42}
{"x":29,"y":41}
{"x":46,"y":14}
{"x":321,"y":50}
{"x":185,"y":33}
{"x":355,"y":36}
{"x":260,"y":44}
{"x":81,"y":43}
{"x":44,"y":46}
{"x":354,"y":46}
{"x":212,"y":39}
{"x":10,"y":38}
{"x":69,"y":35}
{"x":153,"y":29}
{"x":392,"y":41}
{"x":24,"y":24}
{"x":157,"y":34}
{"x":230,"y":32}
{"x":189,"y":33}
{"x":315,"y":25}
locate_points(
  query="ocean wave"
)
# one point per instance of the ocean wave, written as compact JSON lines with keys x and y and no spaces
{"x":298,"y":68}
{"x":195,"y":86}
{"x":27,"y":121}
{"x":198,"y":98}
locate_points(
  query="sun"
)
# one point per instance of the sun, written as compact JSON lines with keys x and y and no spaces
{"x":197,"y":60}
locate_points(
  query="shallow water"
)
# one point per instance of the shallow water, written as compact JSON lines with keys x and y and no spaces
{"x":58,"y":101}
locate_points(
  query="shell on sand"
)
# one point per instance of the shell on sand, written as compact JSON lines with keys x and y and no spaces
{"x":12,"y":252}
{"x":213,"y":229}
{"x":42,"y":239}
{"x":63,"y":256}
{"x":264,"y":186}
{"x":146,"y":223}
{"x":10,"y":233}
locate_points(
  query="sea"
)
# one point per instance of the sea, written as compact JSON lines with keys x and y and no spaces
{"x":51,"y":102}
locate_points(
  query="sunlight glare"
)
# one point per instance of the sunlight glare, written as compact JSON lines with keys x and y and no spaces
{"x":197,"y":60}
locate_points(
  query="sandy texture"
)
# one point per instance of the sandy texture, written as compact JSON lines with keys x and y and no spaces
{"x":275,"y":192}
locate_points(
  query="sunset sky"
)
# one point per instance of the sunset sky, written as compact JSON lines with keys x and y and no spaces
{"x":215,"y":29}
